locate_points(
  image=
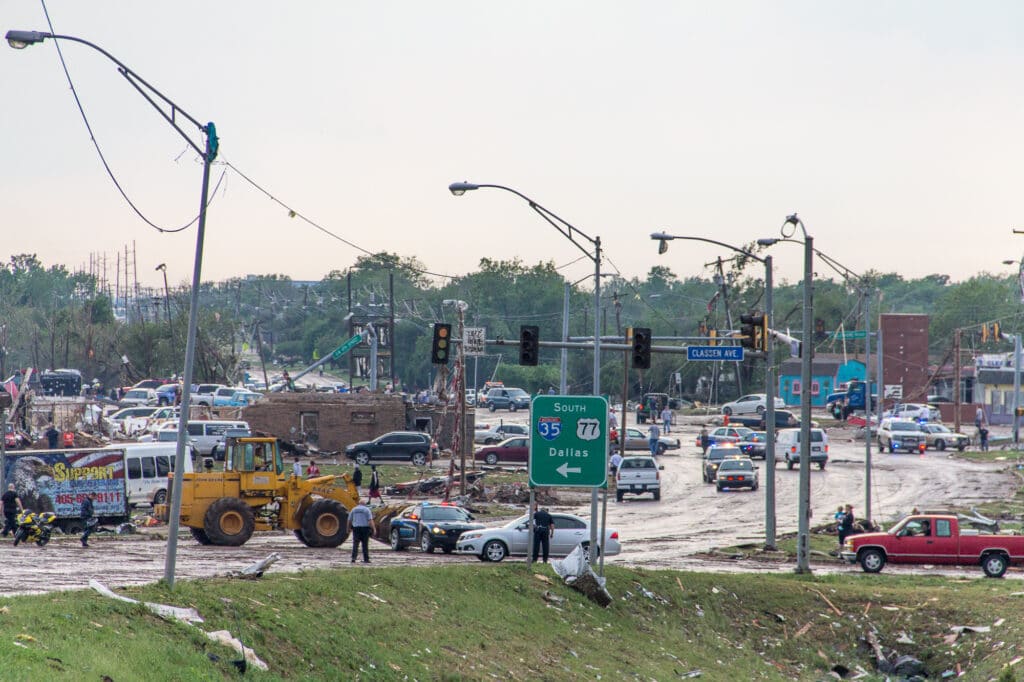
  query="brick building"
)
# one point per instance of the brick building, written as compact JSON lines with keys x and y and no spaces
{"x":333,"y":420}
{"x":905,"y":355}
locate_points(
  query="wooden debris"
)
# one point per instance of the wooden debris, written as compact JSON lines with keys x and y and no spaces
{"x":825,"y":599}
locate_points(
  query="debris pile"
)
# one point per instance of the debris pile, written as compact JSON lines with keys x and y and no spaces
{"x":576,"y":572}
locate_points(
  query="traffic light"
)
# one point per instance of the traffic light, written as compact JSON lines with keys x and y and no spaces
{"x":748,"y":332}
{"x":439,"y":349}
{"x":529,"y":344}
{"x":641,"y":348}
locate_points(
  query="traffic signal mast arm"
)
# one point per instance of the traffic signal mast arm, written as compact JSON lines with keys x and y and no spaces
{"x":333,"y":355}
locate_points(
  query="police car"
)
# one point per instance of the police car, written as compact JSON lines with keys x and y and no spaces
{"x":430,"y":525}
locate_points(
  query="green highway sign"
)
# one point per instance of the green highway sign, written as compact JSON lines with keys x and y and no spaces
{"x":849,"y":336}
{"x":569,"y":441}
{"x":347,"y":346}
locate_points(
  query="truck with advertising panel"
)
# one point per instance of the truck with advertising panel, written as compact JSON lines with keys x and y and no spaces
{"x":58,"y":480}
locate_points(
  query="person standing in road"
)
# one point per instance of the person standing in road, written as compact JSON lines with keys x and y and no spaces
{"x":88,"y":517}
{"x":543,"y":524}
{"x":979,"y":417}
{"x":312,"y":471}
{"x":705,"y":440}
{"x":12,"y":505}
{"x":846,"y":525}
{"x":360,"y":525}
{"x":52,"y":437}
{"x":653,"y":435}
{"x":357,"y":477}
{"x":666,"y":419}
{"x":375,"y":485}
{"x":614,"y":463}
{"x":983,"y":436}
{"x":297,"y":468}
{"x":613,"y":421}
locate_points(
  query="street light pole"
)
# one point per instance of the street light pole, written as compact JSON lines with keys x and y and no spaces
{"x":571,"y":233}
{"x":769,"y":376}
{"x":208,"y":152}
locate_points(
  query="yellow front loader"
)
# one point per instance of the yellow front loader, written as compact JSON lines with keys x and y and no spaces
{"x":253,"y":492}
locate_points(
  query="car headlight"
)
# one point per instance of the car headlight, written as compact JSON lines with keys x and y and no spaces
{"x":469,"y":536}
{"x":848,"y":545}
{"x":437,"y":530}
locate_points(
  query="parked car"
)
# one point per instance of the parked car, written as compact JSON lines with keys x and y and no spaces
{"x":638,"y":476}
{"x":129,"y":419}
{"x":207,"y":436}
{"x":727,"y":435}
{"x":471,"y":397}
{"x":900,"y":434}
{"x":147,"y":383}
{"x":139,"y":396}
{"x":494,"y":544}
{"x":12,"y":439}
{"x":411,"y":445}
{"x":637,"y":440}
{"x":203,"y":394}
{"x":496,"y":434}
{"x":223,"y":395}
{"x":510,"y":450}
{"x":736,"y":473}
{"x":754,"y":444}
{"x":940,"y":437}
{"x":934,"y":539}
{"x":429,"y":526}
{"x":914,"y":411}
{"x":787,"y":447}
{"x":168,"y":394}
{"x":243,"y":398}
{"x":717,"y":454}
{"x":750,"y":404}
{"x":510,"y":399}
{"x":784,"y":419}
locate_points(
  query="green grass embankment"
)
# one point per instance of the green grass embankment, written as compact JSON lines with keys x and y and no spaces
{"x":494,"y":622}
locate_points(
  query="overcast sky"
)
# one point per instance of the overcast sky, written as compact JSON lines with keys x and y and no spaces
{"x":893,"y":128}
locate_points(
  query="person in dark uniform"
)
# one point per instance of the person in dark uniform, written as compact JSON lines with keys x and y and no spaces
{"x":52,"y":437}
{"x":543,"y":525}
{"x":12,"y":505}
{"x":88,"y":518}
{"x":357,"y":477}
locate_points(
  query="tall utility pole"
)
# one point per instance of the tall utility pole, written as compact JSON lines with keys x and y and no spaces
{"x":867,"y":404}
{"x":956,"y":382}
{"x":460,"y":391}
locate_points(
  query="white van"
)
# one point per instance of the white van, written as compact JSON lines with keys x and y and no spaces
{"x":146,"y":467}
{"x":787,"y":447}
{"x":207,"y":436}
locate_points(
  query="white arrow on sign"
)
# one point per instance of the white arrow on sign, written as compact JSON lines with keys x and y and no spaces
{"x":565,"y":470}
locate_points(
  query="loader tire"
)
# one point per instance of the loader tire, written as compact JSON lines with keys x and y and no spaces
{"x":300,"y":536}
{"x":199,"y":535}
{"x":229,"y":521}
{"x":325,"y":524}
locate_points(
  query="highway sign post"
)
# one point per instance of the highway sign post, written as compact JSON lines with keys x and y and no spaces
{"x":347,"y":346}
{"x":730,"y":353}
{"x":569,"y":441}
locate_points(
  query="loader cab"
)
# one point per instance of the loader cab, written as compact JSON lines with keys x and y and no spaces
{"x":244,"y":453}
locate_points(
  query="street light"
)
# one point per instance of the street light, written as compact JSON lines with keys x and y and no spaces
{"x":663,"y":239}
{"x":570,"y":233}
{"x":208,"y":152}
{"x":787,"y":230}
{"x":167,"y":294}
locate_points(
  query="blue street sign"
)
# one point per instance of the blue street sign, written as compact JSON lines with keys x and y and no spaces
{"x":714,"y":353}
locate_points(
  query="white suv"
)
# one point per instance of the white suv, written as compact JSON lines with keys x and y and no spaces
{"x":900,"y":434}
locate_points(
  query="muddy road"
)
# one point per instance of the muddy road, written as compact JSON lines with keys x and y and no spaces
{"x":690,"y":518}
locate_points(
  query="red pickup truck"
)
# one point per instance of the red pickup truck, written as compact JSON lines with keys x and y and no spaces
{"x":934,"y":539}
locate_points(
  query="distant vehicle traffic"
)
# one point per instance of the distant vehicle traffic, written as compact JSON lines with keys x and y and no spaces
{"x":736,"y":473}
{"x":515,"y":449}
{"x":714,"y":458}
{"x":637,"y":440}
{"x":494,"y":544}
{"x":940,"y":437}
{"x":430,"y":526}
{"x":396,"y":445}
{"x":901,"y":434}
{"x":139,"y":396}
{"x":754,"y":403}
{"x":727,"y":435}
{"x":754,"y":444}
{"x":787,"y":447}
{"x":510,"y":399}
{"x":496,"y":434}
{"x":638,"y":476}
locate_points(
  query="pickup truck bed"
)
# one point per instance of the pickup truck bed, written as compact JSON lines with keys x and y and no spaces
{"x":934,"y":539}
{"x":638,"y":476}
